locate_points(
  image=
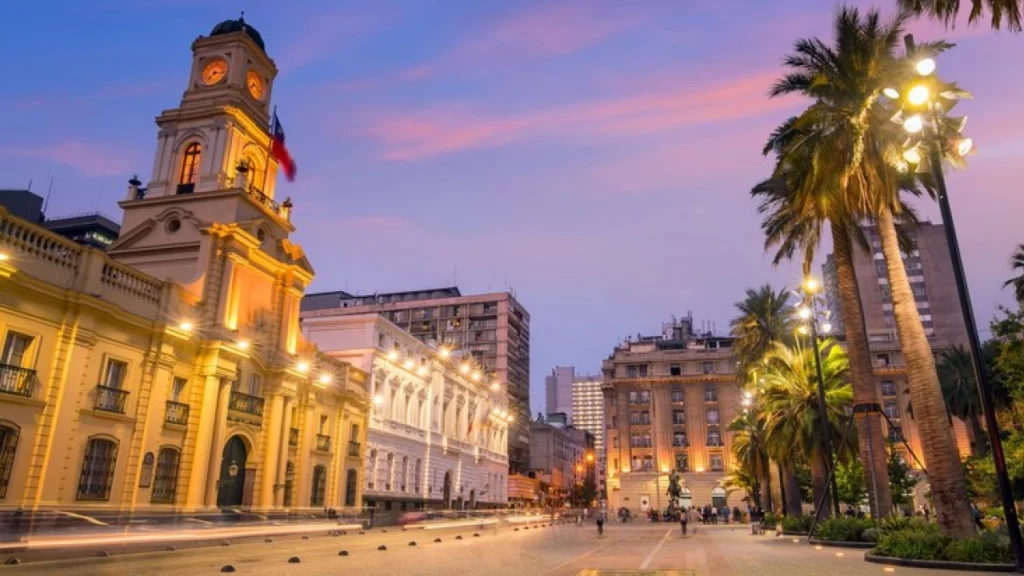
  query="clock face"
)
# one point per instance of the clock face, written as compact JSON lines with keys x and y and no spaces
{"x":214,"y":71}
{"x":255,"y":84}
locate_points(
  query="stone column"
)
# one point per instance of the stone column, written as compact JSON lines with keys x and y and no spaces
{"x":220,"y":425}
{"x":270,"y":459}
{"x":201,"y":457}
{"x":282,"y":460}
{"x":301,"y":491}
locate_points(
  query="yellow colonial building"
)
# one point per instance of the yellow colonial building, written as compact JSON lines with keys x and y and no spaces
{"x":169,"y":374}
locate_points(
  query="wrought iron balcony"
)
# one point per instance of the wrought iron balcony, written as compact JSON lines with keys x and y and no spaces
{"x":293,"y":437}
{"x":323,"y":443}
{"x":353,"y":449}
{"x":177,"y":413}
{"x":111,"y":399}
{"x":16,"y":380}
{"x":241,"y":402}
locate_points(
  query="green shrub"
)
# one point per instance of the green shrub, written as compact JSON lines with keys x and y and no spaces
{"x":797,"y":523}
{"x":898,"y":523}
{"x":870,"y":535}
{"x":980,"y":550}
{"x":843,"y":529}
{"x":913,"y":545}
{"x":770,"y":520}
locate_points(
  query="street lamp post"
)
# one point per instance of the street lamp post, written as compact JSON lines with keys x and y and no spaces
{"x":809,"y":313}
{"x":936,"y":146}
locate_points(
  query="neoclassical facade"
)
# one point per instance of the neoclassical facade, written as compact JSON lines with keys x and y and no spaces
{"x":169,"y":373}
{"x":438,"y":430}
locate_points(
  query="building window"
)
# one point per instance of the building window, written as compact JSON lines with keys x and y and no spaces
{"x":640,"y":440}
{"x":416,"y":478}
{"x":675,"y":370}
{"x":678,"y":417}
{"x":405,"y":473}
{"x":676,"y":394}
{"x":323,"y":424}
{"x":166,"y":475}
{"x":190,"y":164}
{"x":708,"y":367}
{"x":15,"y":346}
{"x":712,"y":416}
{"x":648,"y":463}
{"x":892,"y":410}
{"x":390,"y":471}
{"x":615,"y":442}
{"x":679,"y":439}
{"x":289,"y":482}
{"x":177,"y":387}
{"x":710,"y":393}
{"x":888,"y":388}
{"x":640,"y":418}
{"x":382,"y":341}
{"x":351,"y":478}
{"x":895,"y":434}
{"x":113,"y":377}
{"x":8,"y":445}
{"x":716,"y":462}
{"x":98,"y":469}
{"x":316,"y":498}
{"x":714,"y":438}
{"x":682,"y":462}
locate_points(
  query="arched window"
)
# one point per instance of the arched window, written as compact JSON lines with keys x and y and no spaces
{"x":371,"y":469}
{"x":289,"y":482}
{"x":316,"y":498}
{"x":98,"y":469}
{"x":8,"y":444}
{"x":166,"y":482}
{"x":190,"y":164}
{"x":405,"y":472}
{"x":390,"y":471}
{"x":350,"y":487}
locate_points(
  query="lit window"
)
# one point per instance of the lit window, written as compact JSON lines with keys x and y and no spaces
{"x":190,"y":164}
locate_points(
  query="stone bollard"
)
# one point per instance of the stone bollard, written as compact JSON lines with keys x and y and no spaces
{"x":343,"y":553}
{"x":382,"y":547}
{"x":294,"y":560}
{"x":225,"y":543}
{"x":305,"y":537}
{"x":412,"y":543}
{"x":12,"y":561}
{"x":170,"y":549}
{"x":437,"y":540}
{"x":459,"y":537}
{"x":227,"y":568}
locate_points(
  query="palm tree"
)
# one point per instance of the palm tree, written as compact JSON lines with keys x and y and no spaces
{"x":764,"y":318}
{"x":792,"y":412}
{"x":947,"y":10}
{"x":810,"y":185}
{"x":960,"y":391}
{"x":851,"y":154}
{"x":1017,"y":264}
{"x":748,"y":448}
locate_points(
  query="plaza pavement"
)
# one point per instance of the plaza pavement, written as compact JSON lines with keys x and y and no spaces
{"x":564,"y":550}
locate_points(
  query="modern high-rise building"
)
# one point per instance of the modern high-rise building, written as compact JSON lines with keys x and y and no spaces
{"x":93,"y":229}
{"x":493,"y":328}
{"x":588,"y":414}
{"x":930,"y":272}
{"x":558,"y":390}
{"x":668,"y":402}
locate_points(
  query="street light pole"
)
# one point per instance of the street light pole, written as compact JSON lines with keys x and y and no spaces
{"x":822,"y":406}
{"x":984,"y":387}
{"x":935,"y":152}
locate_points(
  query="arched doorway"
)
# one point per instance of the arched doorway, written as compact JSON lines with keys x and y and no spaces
{"x":231,"y":484}
{"x":446,"y":492}
{"x":350,"y":487}
{"x":718,"y":497}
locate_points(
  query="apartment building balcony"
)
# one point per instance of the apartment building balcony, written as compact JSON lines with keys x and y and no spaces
{"x":16,"y":381}
{"x":245,"y":403}
{"x":323,"y":443}
{"x":176,"y":413}
{"x":354,"y":449}
{"x":111,"y":399}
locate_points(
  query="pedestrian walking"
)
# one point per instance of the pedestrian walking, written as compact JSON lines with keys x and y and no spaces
{"x":714,"y":515}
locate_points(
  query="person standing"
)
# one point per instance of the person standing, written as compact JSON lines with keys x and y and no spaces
{"x":600,"y":522}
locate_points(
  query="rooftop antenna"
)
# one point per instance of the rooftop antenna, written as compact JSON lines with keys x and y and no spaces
{"x":29,"y":188}
{"x":46,"y":203}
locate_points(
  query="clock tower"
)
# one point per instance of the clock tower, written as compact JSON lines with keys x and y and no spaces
{"x":208,"y":218}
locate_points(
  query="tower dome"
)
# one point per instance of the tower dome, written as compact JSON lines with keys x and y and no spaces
{"x":240,"y":25}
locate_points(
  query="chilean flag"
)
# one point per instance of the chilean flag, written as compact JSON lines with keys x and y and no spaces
{"x":278,"y":149}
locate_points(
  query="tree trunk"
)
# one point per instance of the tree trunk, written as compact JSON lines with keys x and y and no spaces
{"x":870,"y":435}
{"x":766,"y":488}
{"x":819,"y":486}
{"x":979,"y":440}
{"x":794,"y":504}
{"x":941,"y":457}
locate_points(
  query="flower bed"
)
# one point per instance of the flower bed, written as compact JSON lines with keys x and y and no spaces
{"x":924,"y":545}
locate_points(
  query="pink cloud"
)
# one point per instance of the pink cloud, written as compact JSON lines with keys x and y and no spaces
{"x":426,"y":133}
{"x":89,"y":158}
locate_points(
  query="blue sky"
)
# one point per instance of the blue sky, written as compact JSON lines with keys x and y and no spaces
{"x":595,"y":158}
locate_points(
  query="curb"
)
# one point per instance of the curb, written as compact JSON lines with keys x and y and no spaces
{"x":839,"y":544}
{"x":939,"y":564}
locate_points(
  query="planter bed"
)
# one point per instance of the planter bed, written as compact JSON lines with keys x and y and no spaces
{"x":939,"y":564}
{"x":840,"y":544}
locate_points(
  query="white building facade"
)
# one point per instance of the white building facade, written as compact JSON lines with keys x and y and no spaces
{"x":588,"y":414}
{"x":438,"y":431}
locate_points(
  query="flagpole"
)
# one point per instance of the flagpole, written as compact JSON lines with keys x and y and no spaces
{"x":270,"y":151}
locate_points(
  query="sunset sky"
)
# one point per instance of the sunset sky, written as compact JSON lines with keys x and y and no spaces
{"x":594,"y":158}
